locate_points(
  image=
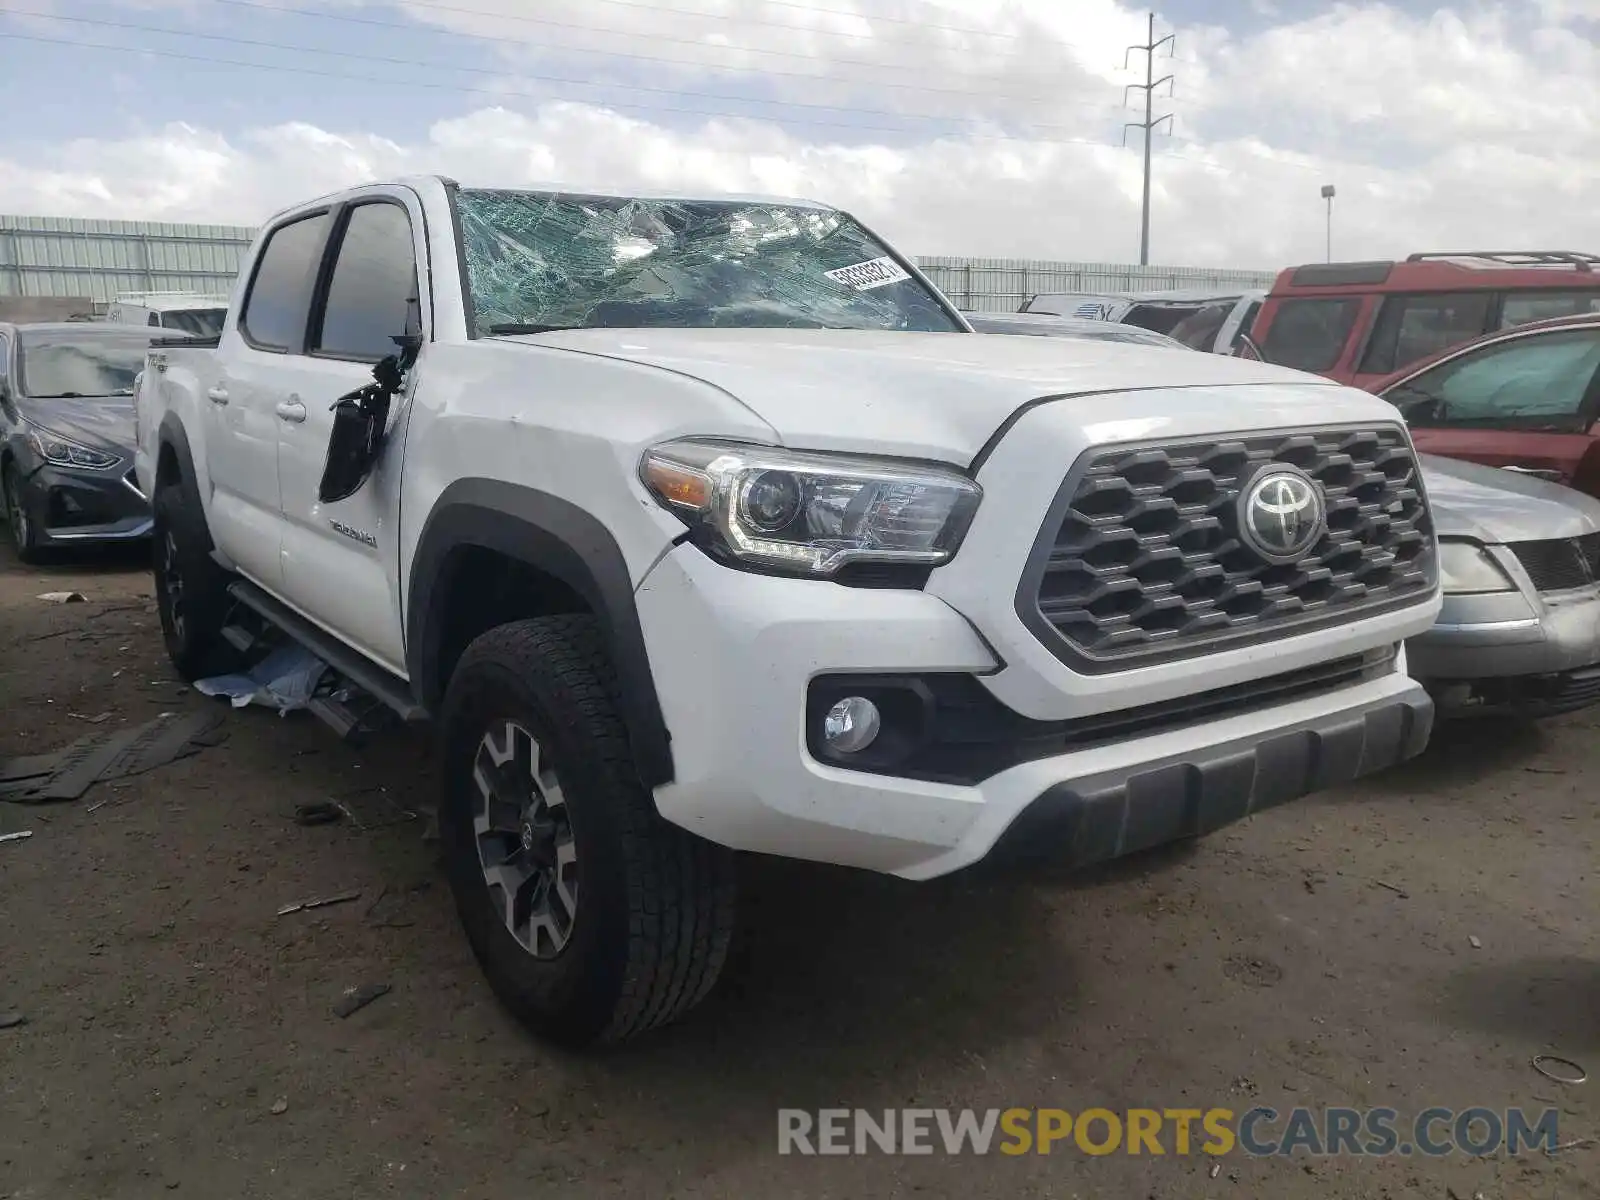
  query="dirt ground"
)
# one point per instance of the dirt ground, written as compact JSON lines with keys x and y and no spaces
{"x":180,"y":1037}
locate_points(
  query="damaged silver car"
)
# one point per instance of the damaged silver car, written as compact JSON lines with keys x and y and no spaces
{"x":1520,"y":567}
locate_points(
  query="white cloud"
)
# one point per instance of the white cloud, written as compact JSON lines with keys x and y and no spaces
{"x":1457,"y":128}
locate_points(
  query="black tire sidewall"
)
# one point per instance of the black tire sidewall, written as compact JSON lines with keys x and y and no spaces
{"x":201,"y":649}
{"x":11,"y":485}
{"x":571,"y":997}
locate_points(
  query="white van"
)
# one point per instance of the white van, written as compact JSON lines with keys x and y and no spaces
{"x":183,"y":312}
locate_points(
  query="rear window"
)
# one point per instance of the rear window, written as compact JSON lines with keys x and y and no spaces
{"x":1522,"y":307}
{"x":1411,"y":328}
{"x":1309,"y":334}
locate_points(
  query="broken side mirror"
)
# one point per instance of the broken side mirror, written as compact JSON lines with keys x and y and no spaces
{"x":361,"y":417}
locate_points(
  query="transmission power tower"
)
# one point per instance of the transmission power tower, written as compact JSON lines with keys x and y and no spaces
{"x":1148,"y":87}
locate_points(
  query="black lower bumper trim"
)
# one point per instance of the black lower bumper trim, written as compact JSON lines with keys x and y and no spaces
{"x":1101,"y":817}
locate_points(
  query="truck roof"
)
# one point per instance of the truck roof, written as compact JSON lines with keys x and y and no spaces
{"x":421,"y":182}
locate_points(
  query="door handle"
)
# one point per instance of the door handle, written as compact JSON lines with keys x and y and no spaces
{"x":217,"y":394}
{"x":292,"y":410}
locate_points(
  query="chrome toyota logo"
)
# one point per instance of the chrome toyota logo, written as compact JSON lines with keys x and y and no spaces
{"x":1281,"y":514}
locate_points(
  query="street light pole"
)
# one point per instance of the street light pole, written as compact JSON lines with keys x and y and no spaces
{"x":1327,"y":194}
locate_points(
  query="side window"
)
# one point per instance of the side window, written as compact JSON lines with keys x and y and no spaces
{"x":1410,"y":328}
{"x":1544,"y":379}
{"x":374,"y":280}
{"x":5,"y":361}
{"x":274,"y":313}
{"x":1309,"y":334}
{"x":155,"y":319}
{"x":1521,"y":307}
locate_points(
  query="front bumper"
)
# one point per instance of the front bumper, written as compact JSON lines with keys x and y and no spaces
{"x":1513,"y":651}
{"x":733,"y":655}
{"x":71,"y":507}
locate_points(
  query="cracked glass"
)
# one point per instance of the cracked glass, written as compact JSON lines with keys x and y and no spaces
{"x":544,"y":260}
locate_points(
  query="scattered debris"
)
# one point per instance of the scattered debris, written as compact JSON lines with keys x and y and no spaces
{"x":101,"y":719}
{"x":97,"y":806}
{"x":279,"y":1106}
{"x":10,"y":1020}
{"x":63,"y":597}
{"x":1544,"y":770}
{"x":357,"y":998}
{"x":371,"y":808}
{"x":1216,"y":1169}
{"x":302,"y":906}
{"x":1398,"y":891}
{"x":1572,"y":1145}
{"x":284,"y":680}
{"x":69,"y":772}
{"x":16,"y":837}
{"x":1542,"y":1064}
{"x":1473,"y":941}
{"x":321,"y":812}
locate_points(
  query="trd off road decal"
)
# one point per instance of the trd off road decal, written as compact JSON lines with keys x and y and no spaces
{"x":873,"y":273}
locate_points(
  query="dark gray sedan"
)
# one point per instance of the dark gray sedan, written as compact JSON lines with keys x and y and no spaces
{"x":66,"y":435}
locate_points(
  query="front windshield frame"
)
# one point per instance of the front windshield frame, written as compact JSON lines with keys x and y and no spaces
{"x":929,"y":301}
{"x":135,"y":339}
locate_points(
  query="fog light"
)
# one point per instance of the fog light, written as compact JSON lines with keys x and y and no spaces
{"x":851,"y":724}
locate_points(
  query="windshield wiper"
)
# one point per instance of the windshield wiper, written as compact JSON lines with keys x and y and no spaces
{"x":515,"y":327}
{"x":59,"y":396}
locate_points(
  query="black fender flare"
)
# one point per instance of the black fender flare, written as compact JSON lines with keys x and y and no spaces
{"x":563,"y":541}
{"x":171,"y":435}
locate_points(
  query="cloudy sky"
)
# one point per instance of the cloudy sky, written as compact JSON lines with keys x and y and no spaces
{"x":984,"y":127}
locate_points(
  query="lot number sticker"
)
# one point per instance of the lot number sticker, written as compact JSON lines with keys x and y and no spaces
{"x":875,"y":273}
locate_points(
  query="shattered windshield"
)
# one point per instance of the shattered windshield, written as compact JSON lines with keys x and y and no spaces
{"x":541,"y":260}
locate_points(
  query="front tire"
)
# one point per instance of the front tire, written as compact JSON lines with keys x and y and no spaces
{"x":24,"y":536}
{"x":592,"y":917}
{"x":191,"y":589}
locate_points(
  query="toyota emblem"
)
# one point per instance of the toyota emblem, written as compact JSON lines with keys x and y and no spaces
{"x":1281,"y":514}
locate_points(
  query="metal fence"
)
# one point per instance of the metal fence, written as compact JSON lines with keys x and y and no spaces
{"x":1002,"y":284}
{"x":63,"y":256}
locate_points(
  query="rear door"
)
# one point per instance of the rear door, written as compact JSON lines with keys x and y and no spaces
{"x":341,"y":560}
{"x":252,"y":362}
{"x":1529,"y":402}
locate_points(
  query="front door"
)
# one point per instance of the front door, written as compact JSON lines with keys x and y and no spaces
{"x":1527,"y":403}
{"x":341,"y":560}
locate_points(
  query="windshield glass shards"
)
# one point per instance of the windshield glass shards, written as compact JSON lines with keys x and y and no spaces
{"x":543,"y":260}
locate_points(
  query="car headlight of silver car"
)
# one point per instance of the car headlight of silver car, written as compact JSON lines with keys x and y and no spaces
{"x":1467,"y":567}
{"x":62,"y":452}
{"x":812,"y":513}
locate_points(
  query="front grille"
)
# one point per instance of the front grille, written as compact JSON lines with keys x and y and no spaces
{"x":1139,"y":562}
{"x":1560,"y":563}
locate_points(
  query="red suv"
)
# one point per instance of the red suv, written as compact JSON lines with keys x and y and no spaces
{"x":1361,"y":322}
{"x":1527,"y":399}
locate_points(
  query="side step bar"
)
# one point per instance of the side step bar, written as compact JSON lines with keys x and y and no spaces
{"x":368,"y":676}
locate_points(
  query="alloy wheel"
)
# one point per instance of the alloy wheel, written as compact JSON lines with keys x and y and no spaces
{"x":172,"y":584}
{"x":524,"y":837}
{"x":16,"y":512}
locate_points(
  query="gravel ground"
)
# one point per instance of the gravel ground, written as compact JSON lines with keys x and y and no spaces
{"x":180,"y":1035}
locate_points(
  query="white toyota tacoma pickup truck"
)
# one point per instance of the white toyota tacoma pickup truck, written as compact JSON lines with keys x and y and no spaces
{"x":707,"y":525}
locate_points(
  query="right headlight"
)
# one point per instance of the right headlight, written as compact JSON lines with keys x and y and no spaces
{"x":812,"y":513}
{"x":1467,"y":567}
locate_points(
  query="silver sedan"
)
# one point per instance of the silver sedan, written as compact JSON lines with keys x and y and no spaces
{"x":1520,"y":567}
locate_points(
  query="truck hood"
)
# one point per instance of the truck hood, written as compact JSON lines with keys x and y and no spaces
{"x":99,"y":422}
{"x":1493,"y":505}
{"x":935,"y":395}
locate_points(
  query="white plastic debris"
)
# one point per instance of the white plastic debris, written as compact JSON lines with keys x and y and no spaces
{"x":284,"y":679}
{"x":63,"y":597}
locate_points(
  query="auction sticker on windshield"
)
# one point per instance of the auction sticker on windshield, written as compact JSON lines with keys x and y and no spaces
{"x":874,"y":273}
